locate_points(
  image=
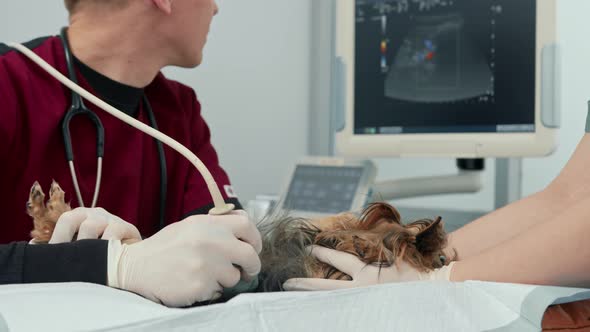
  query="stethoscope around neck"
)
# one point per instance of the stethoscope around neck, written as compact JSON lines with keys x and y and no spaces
{"x":78,"y":108}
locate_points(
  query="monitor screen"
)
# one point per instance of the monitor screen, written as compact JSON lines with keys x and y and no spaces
{"x":444,"y":66}
{"x":323,"y":189}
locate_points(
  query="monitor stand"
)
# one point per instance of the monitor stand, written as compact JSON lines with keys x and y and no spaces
{"x":508,"y":181}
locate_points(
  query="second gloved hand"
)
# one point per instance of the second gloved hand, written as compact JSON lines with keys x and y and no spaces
{"x":189,"y":261}
{"x":92,"y":223}
{"x":361,"y":273}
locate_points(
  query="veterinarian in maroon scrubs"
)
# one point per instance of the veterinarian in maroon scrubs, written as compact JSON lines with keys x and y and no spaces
{"x":119,"y":48}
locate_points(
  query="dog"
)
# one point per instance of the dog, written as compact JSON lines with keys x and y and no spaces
{"x":376,"y":236}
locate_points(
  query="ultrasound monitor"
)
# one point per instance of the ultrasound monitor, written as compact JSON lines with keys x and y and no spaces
{"x":457,"y":78}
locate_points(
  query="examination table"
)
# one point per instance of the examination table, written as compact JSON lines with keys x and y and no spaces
{"x":418,"y":306}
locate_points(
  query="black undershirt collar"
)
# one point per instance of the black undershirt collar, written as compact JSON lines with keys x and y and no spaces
{"x":119,"y":95}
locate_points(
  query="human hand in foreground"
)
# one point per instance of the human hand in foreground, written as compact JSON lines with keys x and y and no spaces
{"x":361,"y":273}
{"x":189,"y":261}
{"x":92,"y":223}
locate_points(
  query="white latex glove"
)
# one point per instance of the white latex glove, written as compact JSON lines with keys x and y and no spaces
{"x":189,"y":261}
{"x":95,"y":223}
{"x":361,"y":273}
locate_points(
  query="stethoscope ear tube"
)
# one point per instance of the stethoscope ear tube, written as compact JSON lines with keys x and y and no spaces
{"x":65,"y":129}
{"x":77,"y":101}
{"x":99,"y":134}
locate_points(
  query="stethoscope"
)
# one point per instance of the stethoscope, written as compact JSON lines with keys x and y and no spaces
{"x":78,"y":108}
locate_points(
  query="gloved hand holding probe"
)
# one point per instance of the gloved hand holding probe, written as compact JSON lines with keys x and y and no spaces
{"x":189,"y":261}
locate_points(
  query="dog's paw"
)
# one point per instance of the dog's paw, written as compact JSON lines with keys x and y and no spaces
{"x":36,"y":203}
{"x":44,"y":216}
{"x":56,"y":204}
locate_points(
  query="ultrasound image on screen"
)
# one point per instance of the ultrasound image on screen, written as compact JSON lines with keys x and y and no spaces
{"x":436,"y":66}
{"x":323,"y":189}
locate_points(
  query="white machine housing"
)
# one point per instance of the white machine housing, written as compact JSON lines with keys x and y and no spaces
{"x":364,"y":173}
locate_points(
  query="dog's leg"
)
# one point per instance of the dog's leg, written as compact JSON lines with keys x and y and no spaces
{"x":37,"y":210}
{"x":45,"y":217}
{"x":56,"y":204}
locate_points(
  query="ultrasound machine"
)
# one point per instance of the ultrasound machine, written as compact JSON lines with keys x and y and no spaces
{"x":458,"y":79}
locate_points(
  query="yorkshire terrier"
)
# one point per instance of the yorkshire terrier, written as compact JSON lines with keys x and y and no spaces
{"x":377,"y":236}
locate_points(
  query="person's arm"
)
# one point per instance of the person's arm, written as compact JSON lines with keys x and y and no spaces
{"x":12,"y":263}
{"x":568,"y":189}
{"x":555,"y":253}
{"x":504,"y":224}
{"x":82,"y":261}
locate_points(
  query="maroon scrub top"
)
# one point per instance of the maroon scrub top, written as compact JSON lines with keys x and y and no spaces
{"x":32,"y":106}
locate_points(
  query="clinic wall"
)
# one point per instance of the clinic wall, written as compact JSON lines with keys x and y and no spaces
{"x":24,"y":20}
{"x":253,"y":84}
{"x":573,"y":30}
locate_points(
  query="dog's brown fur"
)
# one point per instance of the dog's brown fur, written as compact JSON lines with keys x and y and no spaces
{"x":377,"y":236}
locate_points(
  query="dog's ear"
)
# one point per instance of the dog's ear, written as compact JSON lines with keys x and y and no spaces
{"x":431,"y":239}
{"x":430,"y":228}
{"x":377,"y":213}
